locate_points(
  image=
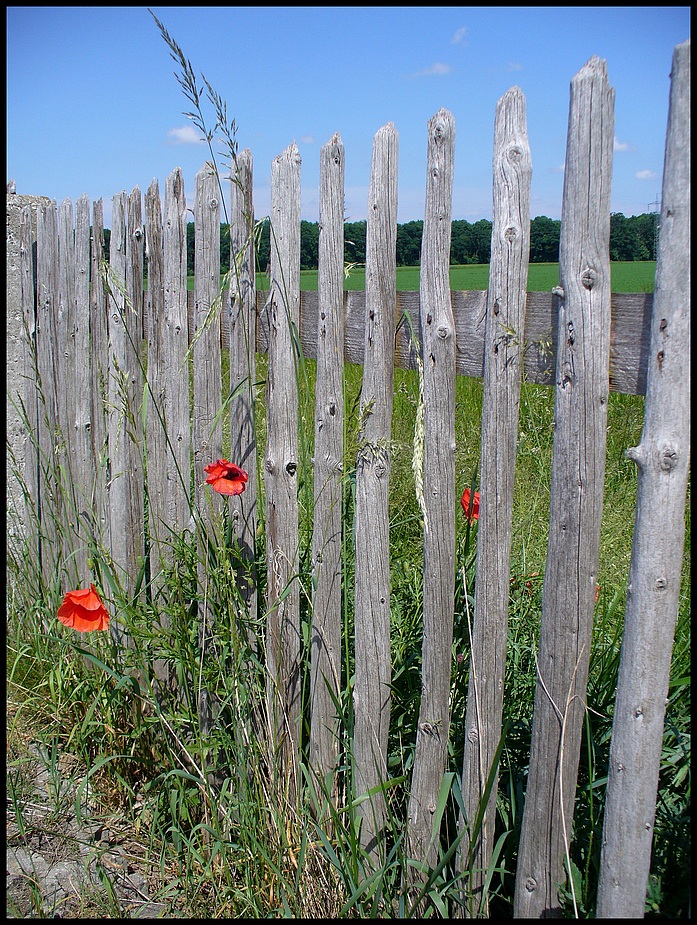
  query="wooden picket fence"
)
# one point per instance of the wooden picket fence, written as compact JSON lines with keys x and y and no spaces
{"x":87,"y":329}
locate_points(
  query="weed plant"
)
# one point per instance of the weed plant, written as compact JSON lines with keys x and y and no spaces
{"x":215,"y":831}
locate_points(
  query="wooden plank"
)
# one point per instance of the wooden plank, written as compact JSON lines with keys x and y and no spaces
{"x":372,"y":591}
{"x":82,"y":459}
{"x":434,"y":472}
{"x":241,"y":328}
{"x":283,"y":642}
{"x":46,"y":299}
{"x":27,"y":270}
{"x":325,"y":654}
{"x":578,"y":470}
{"x":159,"y":463}
{"x":505,"y":339}
{"x":629,"y":333}
{"x":207,"y":422}
{"x":124,"y":398}
{"x":99,"y":388}
{"x":663,"y":459}
{"x":174,"y":355}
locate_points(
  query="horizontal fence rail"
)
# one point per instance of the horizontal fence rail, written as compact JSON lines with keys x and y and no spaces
{"x":629,"y":333}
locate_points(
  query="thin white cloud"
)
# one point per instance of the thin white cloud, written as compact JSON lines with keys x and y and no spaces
{"x":307,"y":139}
{"x":620,"y":145}
{"x":515,"y":66}
{"x":459,"y":36}
{"x":559,"y":169}
{"x":186,"y":135}
{"x":646,"y":175}
{"x":438,"y":69}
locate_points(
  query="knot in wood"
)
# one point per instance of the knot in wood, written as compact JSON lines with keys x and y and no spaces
{"x":443,"y":331}
{"x":213,"y":203}
{"x":589,"y":278}
{"x":515,"y":154}
{"x":431,"y":807}
{"x":663,"y":325}
{"x":660,"y":584}
{"x":473,"y":735}
{"x":530,"y":884}
{"x":669,"y":458}
{"x":291,"y":467}
{"x":379,"y":470}
{"x":510,"y":234}
{"x":138,"y":234}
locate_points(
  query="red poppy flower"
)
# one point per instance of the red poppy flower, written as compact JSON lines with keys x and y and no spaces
{"x":225,"y":477}
{"x":83,"y":611}
{"x":470,"y":505}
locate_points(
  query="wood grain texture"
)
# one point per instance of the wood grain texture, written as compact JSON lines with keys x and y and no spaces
{"x":505,"y":338}
{"x":578,"y":470}
{"x":325,"y":641}
{"x":437,"y":447}
{"x":283,"y":643}
{"x":663,"y":460}
{"x":371,"y":697}
{"x":242,"y":331}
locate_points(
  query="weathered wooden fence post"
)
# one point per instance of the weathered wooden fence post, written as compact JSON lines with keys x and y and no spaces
{"x":663,"y":458}
{"x":578,"y":469}
{"x":99,"y":358}
{"x":21,"y":360}
{"x":371,"y":694}
{"x":242,"y":324}
{"x":325,"y":655}
{"x":503,"y":359}
{"x":46,"y":298}
{"x":436,"y":486}
{"x":207,"y":423}
{"x":283,"y":639}
{"x":29,"y":525}
{"x":124,"y":402}
{"x":81,"y":463}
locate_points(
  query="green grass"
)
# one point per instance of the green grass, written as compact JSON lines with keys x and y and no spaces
{"x":238,"y":849}
{"x":627,"y":276}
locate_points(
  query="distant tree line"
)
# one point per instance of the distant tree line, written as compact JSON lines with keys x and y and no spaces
{"x":631,"y":238}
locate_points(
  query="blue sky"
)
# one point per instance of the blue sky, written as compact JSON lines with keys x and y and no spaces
{"x":93,"y":105}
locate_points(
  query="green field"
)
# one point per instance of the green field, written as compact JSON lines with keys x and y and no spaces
{"x":627,"y":276}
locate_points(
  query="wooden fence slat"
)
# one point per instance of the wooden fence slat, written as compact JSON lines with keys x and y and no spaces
{"x":207,"y":422}
{"x":241,"y":327}
{"x":82,"y":459}
{"x":27,"y":237}
{"x":325,"y":654}
{"x":505,"y":337}
{"x":99,"y":364}
{"x":281,"y":462}
{"x":47,"y":295}
{"x":174,"y":354}
{"x":124,"y":404}
{"x":65,"y":361}
{"x":435,"y":484}
{"x":371,"y":695}
{"x":158,"y":458}
{"x":578,"y":469}
{"x":663,"y":458}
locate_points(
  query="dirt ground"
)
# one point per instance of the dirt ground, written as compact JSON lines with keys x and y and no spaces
{"x":62,"y":866}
